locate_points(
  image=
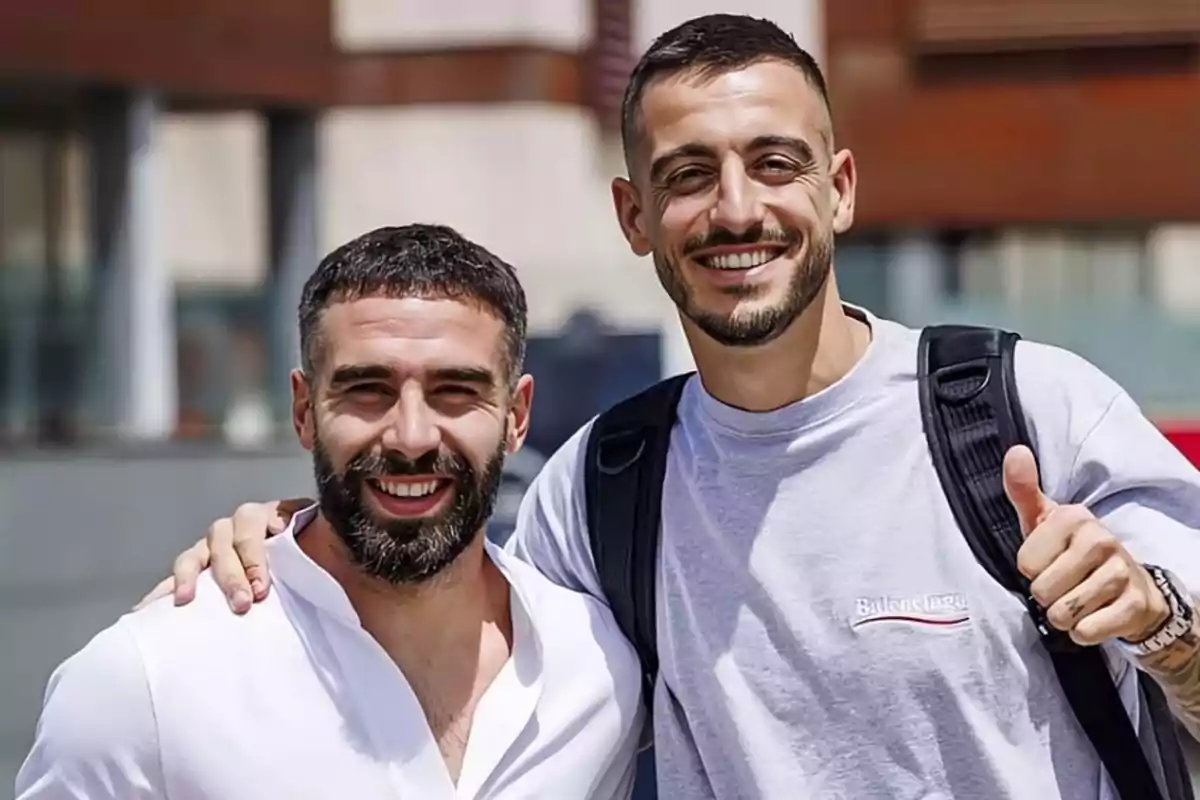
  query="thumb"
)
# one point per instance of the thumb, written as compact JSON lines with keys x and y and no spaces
{"x":1023,"y":488}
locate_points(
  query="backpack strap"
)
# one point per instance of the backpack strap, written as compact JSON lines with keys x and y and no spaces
{"x":626,"y":463}
{"x":972,"y":416}
{"x":1176,"y":776}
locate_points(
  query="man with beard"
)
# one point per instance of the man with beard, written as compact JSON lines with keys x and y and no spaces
{"x":823,"y":627}
{"x":402,"y":655}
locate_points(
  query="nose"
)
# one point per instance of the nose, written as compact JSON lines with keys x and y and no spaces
{"x":413,"y":430}
{"x":738,"y":207}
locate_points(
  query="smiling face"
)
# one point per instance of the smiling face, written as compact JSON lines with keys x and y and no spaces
{"x":409,"y":413}
{"x":738,"y":196}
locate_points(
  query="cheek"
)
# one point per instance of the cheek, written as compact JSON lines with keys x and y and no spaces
{"x":683,"y":219}
{"x":343,"y":437}
{"x":478,"y":436}
{"x":803,"y":207}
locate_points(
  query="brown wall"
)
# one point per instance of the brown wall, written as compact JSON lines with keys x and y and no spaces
{"x":490,"y":74}
{"x":277,"y":50}
{"x":952,"y":122}
{"x":1077,"y":125}
{"x":252,"y":52}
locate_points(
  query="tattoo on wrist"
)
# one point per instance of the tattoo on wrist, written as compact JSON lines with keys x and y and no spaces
{"x":1180,"y":657}
{"x":1176,"y":668}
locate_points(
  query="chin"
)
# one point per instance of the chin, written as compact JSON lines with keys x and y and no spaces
{"x":734,"y":307}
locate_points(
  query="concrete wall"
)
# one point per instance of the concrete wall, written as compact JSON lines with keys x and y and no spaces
{"x":530,"y":183}
{"x":1175,"y":251}
{"x":363,"y":25}
{"x":214,"y":189}
{"x":801,"y":18}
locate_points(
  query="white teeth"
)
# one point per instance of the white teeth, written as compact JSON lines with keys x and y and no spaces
{"x":740,"y":260}
{"x":409,"y":489}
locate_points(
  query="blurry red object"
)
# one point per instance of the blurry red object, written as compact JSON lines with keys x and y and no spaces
{"x":1185,"y":436}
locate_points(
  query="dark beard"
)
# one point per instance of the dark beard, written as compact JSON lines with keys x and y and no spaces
{"x":408,"y":551}
{"x":765,"y":324}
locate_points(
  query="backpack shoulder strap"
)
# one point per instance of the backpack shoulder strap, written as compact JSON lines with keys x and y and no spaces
{"x":626,"y":462}
{"x":972,"y":416}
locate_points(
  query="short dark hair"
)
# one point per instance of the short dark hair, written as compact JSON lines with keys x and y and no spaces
{"x":712,"y":45}
{"x":430,"y":261}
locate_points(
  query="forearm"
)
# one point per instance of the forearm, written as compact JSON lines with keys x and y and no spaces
{"x":1176,"y":668}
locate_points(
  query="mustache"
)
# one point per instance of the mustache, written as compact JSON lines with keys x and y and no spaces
{"x":377,"y":465}
{"x":756,"y":234}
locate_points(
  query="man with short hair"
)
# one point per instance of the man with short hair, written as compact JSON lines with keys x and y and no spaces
{"x":823,"y":627}
{"x":401,"y":655}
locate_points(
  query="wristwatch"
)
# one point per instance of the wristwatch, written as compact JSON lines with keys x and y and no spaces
{"x":1183,"y":612}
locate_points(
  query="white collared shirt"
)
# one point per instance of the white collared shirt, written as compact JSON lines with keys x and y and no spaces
{"x":295,"y":700}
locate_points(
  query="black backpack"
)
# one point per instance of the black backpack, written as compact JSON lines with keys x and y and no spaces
{"x":971,"y":416}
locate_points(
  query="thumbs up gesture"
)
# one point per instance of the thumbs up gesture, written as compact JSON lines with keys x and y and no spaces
{"x":1085,"y":579}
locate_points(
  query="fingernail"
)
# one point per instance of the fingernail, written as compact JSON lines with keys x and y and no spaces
{"x":258,"y":587}
{"x":241,"y":600}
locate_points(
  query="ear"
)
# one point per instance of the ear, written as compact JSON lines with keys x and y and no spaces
{"x":302,"y":410}
{"x":518,"y":413}
{"x":629,"y":214}
{"x":842,"y":189}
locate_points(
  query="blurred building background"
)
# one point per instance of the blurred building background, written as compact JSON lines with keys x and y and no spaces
{"x":170,"y":173}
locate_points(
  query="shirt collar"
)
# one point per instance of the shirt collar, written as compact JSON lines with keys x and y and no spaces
{"x":305,"y":578}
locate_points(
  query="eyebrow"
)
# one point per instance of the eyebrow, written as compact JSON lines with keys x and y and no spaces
{"x":477,"y":375}
{"x":355,"y":373}
{"x":801,"y":148}
{"x":359,"y":372}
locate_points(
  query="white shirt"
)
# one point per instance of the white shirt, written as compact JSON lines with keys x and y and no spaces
{"x":295,"y":700}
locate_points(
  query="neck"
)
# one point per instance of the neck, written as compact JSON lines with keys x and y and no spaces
{"x":419,"y":625}
{"x":817,"y":350}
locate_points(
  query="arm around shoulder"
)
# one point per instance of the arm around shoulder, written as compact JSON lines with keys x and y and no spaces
{"x":551,"y":532}
{"x":96,"y":737}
